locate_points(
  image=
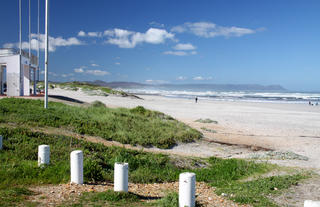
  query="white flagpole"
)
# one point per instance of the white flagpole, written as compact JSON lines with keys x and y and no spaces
{"x":20,"y":28}
{"x":38,"y":52}
{"x":46,"y":56}
{"x":29,"y":33}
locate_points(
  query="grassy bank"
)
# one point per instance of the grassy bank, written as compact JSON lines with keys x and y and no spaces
{"x":19,"y":169}
{"x":86,"y":87}
{"x":128,"y":126}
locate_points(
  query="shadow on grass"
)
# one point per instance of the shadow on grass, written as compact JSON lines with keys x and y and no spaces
{"x":64,"y":98}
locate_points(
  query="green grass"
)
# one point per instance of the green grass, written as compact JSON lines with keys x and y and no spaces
{"x":128,"y":126}
{"x":108,"y":198}
{"x":11,"y":195}
{"x":256,"y":192}
{"x":19,"y":163}
{"x":19,"y":168}
{"x":111,"y":198}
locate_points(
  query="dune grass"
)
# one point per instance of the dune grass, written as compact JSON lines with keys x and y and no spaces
{"x":137,"y":126}
{"x":76,"y":85}
{"x":19,"y":169}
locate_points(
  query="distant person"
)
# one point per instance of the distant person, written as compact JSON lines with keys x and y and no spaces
{"x":310,"y":103}
{"x":317,"y":104}
{"x":196,"y":99}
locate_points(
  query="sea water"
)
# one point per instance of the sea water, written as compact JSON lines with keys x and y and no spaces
{"x":228,"y":95}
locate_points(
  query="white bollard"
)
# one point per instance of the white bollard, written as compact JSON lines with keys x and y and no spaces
{"x":76,"y":166}
{"x":43,"y":155}
{"x":0,"y":142}
{"x":310,"y":203}
{"x":121,"y":177}
{"x":187,"y":189}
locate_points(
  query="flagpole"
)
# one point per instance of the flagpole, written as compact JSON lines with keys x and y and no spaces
{"x":46,"y":54}
{"x":20,"y":28}
{"x":38,"y":51}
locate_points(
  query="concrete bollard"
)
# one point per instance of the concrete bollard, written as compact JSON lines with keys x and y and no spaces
{"x":0,"y":142}
{"x":76,"y":166}
{"x":43,"y":155}
{"x":309,"y":203}
{"x":187,"y":189}
{"x":121,"y":177}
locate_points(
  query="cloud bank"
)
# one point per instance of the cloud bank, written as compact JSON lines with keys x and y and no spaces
{"x":129,"y":39}
{"x":209,"y":29}
{"x":54,"y":43}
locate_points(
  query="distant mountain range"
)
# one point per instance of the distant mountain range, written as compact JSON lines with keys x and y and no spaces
{"x":218,"y":87}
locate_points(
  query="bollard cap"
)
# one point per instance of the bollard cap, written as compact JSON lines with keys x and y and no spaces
{"x":43,"y":146}
{"x":187,"y":174}
{"x":77,"y":152}
{"x":121,"y":163}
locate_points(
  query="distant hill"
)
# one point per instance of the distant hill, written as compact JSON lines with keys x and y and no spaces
{"x":218,"y":87}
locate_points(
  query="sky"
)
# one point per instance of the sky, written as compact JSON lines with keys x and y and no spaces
{"x":175,"y":41}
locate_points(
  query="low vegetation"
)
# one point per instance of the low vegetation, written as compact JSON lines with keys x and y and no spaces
{"x":90,"y":88}
{"x":206,"y":121}
{"x":137,"y":126}
{"x":19,"y":169}
{"x":208,"y":130}
{"x":111,"y":198}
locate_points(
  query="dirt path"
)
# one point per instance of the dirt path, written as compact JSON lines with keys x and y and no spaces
{"x":53,"y":195}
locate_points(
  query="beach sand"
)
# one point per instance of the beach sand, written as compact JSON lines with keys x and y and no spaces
{"x":277,"y":126}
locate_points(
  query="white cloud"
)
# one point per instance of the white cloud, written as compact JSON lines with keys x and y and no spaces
{"x":186,"y":46}
{"x":82,"y":70}
{"x":81,"y":34}
{"x":150,"y":81}
{"x":79,"y":70}
{"x":156,"y":24}
{"x":53,"y":74}
{"x":209,"y":29}
{"x":179,"y":53}
{"x":129,"y":39}
{"x":117,"y":63}
{"x":94,"y":34}
{"x":89,"y":34}
{"x":54,"y":42}
{"x":97,"y":72}
{"x":67,"y":75}
{"x":182,"y":78}
{"x":94,"y":65}
{"x":199,"y":78}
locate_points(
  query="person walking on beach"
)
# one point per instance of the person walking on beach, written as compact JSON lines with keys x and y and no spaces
{"x":196,"y":99}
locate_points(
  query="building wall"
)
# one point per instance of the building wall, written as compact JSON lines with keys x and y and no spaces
{"x":14,"y":84}
{"x":26,"y":76}
{"x":17,"y":85}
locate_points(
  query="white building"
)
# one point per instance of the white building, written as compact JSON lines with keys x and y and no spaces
{"x":15,"y":69}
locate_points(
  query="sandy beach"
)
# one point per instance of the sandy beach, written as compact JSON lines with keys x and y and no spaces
{"x":277,"y":126}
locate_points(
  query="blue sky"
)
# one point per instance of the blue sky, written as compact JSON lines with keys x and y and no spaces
{"x":165,"y":41}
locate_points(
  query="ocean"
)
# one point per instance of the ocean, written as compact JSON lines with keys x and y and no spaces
{"x":227,"y":95}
